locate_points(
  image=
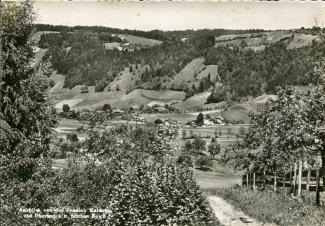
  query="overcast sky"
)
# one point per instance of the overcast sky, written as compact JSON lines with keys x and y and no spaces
{"x":183,"y":15}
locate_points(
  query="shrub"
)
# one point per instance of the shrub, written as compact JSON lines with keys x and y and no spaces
{"x":68,"y":148}
{"x":203,"y":162}
{"x":184,"y":159}
{"x":158,"y":121}
{"x":80,"y":129}
{"x":72,"y":137}
{"x":84,"y":89}
{"x":57,"y":153}
{"x":100,"y":86}
{"x":51,"y":83}
{"x":65,"y":108}
{"x":156,"y":194}
{"x":200,"y":119}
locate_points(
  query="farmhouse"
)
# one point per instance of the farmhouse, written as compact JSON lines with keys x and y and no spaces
{"x":219,"y":119}
{"x":112,"y":45}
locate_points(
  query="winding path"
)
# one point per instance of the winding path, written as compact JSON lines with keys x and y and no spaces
{"x":224,"y":211}
{"x":231,"y":216}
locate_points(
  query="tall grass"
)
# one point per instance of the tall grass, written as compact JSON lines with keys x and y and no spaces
{"x":269,"y":207}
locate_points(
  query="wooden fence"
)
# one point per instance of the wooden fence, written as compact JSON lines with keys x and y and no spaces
{"x":283,"y":181}
{"x":307,"y":180}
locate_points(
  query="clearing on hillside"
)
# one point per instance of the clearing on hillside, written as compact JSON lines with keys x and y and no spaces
{"x":239,"y":112}
{"x":140,"y":40}
{"x":194,"y":103}
{"x":258,"y":41}
{"x":126,"y":79}
{"x":190,"y":71}
{"x":142,"y":97}
{"x":193,"y":73}
{"x":58,"y":81}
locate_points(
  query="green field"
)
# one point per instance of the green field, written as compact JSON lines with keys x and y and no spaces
{"x":137,"y":40}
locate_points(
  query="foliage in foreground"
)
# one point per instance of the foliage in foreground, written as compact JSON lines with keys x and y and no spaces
{"x":157,"y":193}
{"x":269,"y":207}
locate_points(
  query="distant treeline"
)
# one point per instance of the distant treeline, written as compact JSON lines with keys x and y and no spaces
{"x":153,"y":34}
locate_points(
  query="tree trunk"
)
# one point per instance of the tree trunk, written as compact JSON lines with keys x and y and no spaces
{"x":317,"y":188}
{"x":308,"y":180}
{"x":299,"y":178}
{"x":247,"y":179}
{"x":274,"y":186}
{"x":254,"y":187}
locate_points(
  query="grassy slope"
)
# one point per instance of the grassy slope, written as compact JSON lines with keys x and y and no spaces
{"x":209,"y":69}
{"x":301,"y":40}
{"x":140,"y":96}
{"x":59,"y":82}
{"x":194,"y":102}
{"x":240,"y":111}
{"x":127,"y":79}
{"x":260,"y":40}
{"x":96,"y":99}
{"x":140,"y":40}
{"x":193,"y":73}
{"x":188,"y":73}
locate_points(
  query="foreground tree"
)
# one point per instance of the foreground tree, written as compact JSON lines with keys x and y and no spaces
{"x":25,"y":109}
{"x":289,"y":130}
{"x":26,"y":116}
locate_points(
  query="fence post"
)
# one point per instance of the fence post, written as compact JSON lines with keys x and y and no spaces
{"x":299,"y":178}
{"x":254,"y":187}
{"x":294,"y":177}
{"x":290,"y":177}
{"x":317,"y":187}
{"x":308,"y":179}
{"x":275,"y":178}
{"x":284,"y":182}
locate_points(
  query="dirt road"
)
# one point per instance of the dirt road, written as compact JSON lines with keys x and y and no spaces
{"x":229,"y":215}
{"x":225,"y":212}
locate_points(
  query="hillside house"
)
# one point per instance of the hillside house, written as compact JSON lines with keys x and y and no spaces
{"x":112,"y":45}
{"x":219,"y":120}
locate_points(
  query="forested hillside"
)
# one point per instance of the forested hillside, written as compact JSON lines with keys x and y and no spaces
{"x":97,"y":55}
{"x":249,"y":73}
{"x":85,"y":60}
